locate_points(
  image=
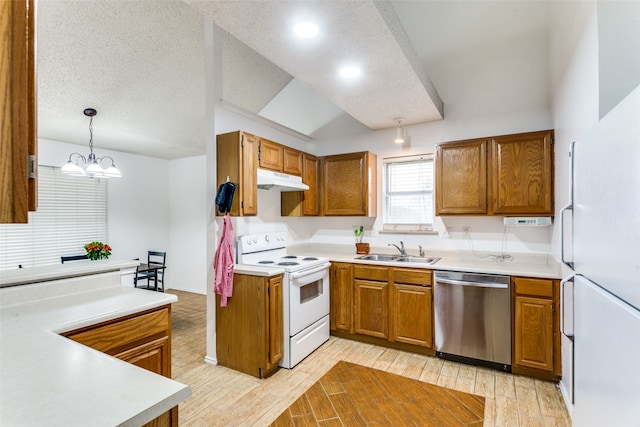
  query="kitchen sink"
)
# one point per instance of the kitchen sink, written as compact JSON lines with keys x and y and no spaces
{"x":417,"y":259}
{"x":398,"y":258}
{"x":377,"y":257}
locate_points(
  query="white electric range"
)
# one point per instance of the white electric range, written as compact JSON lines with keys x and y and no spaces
{"x":305,"y":292}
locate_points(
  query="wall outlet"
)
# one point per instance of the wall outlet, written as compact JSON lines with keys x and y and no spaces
{"x":466,"y":229}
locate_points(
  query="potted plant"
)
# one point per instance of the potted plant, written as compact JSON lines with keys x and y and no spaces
{"x":97,"y":250}
{"x":361,"y":248}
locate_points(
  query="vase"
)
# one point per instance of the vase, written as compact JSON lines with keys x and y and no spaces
{"x":362,"y":248}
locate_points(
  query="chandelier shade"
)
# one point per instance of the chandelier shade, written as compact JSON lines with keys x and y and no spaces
{"x":91,"y":166}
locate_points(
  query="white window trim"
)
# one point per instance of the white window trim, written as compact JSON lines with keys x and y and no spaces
{"x":391,"y":228}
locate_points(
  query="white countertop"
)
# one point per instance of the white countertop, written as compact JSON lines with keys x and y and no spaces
{"x":256,"y":270}
{"x":522,"y":264}
{"x":49,"y":380}
{"x":20,"y":276}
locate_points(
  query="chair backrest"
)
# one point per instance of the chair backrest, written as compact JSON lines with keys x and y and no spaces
{"x":155,"y":257}
{"x":72,"y":258}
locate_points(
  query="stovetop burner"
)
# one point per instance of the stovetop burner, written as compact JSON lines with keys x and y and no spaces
{"x":266,"y":262}
{"x":310,"y":258}
{"x":290,"y":257}
{"x":288,"y":263}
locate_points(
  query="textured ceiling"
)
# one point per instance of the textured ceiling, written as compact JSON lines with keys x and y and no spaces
{"x":141,"y":63}
{"x":364,"y":33}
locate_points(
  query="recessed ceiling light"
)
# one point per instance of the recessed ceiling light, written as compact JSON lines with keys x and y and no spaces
{"x":350,"y":72}
{"x":305,"y":29}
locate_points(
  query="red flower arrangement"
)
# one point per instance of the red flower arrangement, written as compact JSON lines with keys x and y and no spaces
{"x":97,"y":250}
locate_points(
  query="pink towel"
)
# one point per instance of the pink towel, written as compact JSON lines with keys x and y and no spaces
{"x":223,"y":263}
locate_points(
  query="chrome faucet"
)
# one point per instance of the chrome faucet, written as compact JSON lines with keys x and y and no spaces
{"x":420,"y":251}
{"x":403,"y":252}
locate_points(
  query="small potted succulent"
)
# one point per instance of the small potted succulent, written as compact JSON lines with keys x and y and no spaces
{"x":361,"y":248}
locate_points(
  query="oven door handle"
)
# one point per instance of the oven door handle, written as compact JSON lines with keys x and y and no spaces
{"x":295,"y":276}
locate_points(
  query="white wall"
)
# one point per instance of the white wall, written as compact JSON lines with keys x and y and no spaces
{"x":187,"y":218}
{"x":138,"y":212}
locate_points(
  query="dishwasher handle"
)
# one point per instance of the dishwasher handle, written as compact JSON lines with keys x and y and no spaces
{"x":474,"y":284}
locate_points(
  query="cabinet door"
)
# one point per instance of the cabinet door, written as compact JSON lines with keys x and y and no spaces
{"x":411,"y":314}
{"x":341,"y":292}
{"x":461,"y":178}
{"x":533,"y":333}
{"x":522,"y":174}
{"x":346,"y":186}
{"x":292,"y":161}
{"x":371,"y":308}
{"x":249,"y":187}
{"x":270,"y":155}
{"x":153,"y":356}
{"x":18,"y":133}
{"x":310,"y":205}
{"x":275,"y":325}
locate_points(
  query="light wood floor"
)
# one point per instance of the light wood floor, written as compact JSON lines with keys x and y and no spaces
{"x":224,"y":397}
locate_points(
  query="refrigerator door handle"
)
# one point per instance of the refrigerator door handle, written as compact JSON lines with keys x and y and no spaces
{"x":567,"y":207}
{"x":566,"y":331}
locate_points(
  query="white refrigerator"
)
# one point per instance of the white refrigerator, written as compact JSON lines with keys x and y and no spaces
{"x":601,"y":301}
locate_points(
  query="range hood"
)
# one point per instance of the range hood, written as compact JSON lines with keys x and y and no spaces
{"x":278,"y":181}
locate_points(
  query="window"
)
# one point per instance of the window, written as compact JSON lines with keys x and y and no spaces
{"x":71,"y":212}
{"x":408,"y":193}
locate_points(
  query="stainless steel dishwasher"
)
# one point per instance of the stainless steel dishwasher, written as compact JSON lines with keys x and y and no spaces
{"x":473,"y":318}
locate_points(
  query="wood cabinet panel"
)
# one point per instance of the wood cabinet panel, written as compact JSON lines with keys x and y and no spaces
{"x":371,"y":308}
{"x":461,"y":177}
{"x":116,"y":336}
{"x":270,"y":155}
{"x":275,"y":329}
{"x":536,"y":328}
{"x":371,"y":272}
{"x":18,"y":128}
{"x":411,"y":314}
{"x":249,"y":329}
{"x":237,"y":159}
{"x":534,"y":333}
{"x":522,"y":173}
{"x":151,"y":356}
{"x":536,"y":287}
{"x":348,"y":184}
{"x":304,"y":203}
{"x":341,"y":295}
{"x":292,"y":161}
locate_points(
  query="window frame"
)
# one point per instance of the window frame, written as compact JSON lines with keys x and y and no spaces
{"x":389,"y":227}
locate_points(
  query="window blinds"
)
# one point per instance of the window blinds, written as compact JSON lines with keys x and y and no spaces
{"x":71,"y":211}
{"x":408,"y":191}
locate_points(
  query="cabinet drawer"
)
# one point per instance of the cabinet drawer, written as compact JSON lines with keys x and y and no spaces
{"x":412,"y":277}
{"x":537,"y":287}
{"x":371,"y":272}
{"x":116,"y":336}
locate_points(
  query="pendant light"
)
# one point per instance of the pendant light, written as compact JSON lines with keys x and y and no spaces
{"x":90,"y":166}
{"x":399,"y":131}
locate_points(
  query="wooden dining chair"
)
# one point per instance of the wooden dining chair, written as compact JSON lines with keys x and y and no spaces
{"x":64,"y":259}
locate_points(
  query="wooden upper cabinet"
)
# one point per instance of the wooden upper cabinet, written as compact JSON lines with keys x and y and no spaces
{"x":270,"y":155}
{"x":505,"y":175}
{"x":237,"y":160}
{"x":303,"y":203}
{"x":522,"y":173}
{"x":18,"y":127}
{"x":292,"y":161}
{"x":348,"y":184}
{"x":461,"y":177}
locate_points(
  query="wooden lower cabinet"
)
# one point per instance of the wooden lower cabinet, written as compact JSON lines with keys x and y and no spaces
{"x":142,"y":339}
{"x":249,"y":330}
{"x":381,"y":305}
{"x":341,"y":295}
{"x":536,"y":328}
{"x":411,"y":319}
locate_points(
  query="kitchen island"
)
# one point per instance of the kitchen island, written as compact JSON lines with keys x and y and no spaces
{"x":48,"y":379}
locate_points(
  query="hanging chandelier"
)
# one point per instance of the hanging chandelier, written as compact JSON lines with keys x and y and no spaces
{"x":90,"y":166}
